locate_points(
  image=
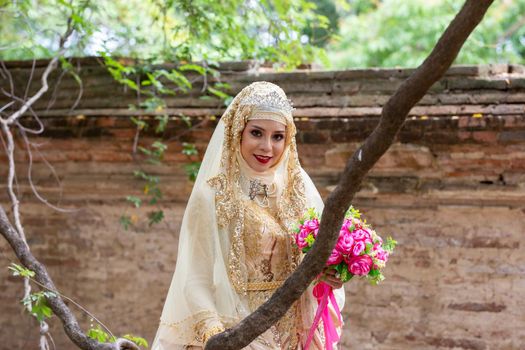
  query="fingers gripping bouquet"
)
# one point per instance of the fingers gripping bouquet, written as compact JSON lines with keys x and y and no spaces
{"x":359,"y":251}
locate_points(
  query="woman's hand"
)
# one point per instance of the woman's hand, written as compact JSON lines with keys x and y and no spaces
{"x":331,"y":277}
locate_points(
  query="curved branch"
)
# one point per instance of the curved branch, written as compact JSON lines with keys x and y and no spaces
{"x":392,"y":118}
{"x":71,"y":327}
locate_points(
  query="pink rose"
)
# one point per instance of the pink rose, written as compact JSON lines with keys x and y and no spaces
{"x":358,"y":248}
{"x":381,"y":254}
{"x":360,"y":265}
{"x":312,"y":224}
{"x":344,"y":243}
{"x":335,"y":258}
{"x":300,"y":238}
{"x":347,"y":224}
{"x":361,"y":235}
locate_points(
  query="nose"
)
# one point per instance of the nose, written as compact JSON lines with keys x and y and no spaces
{"x":266,"y":145}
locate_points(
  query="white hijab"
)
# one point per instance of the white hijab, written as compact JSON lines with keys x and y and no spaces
{"x":208,"y":290}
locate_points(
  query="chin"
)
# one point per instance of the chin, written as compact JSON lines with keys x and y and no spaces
{"x":260,"y":167}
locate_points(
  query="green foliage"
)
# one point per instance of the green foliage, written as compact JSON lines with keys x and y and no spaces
{"x":37,"y":304}
{"x":137,"y":340}
{"x":189,"y":149}
{"x":137,"y":202}
{"x":353,"y":213}
{"x":100,"y":335}
{"x":162,"y":123}
{"x":125,"y":221}
{"x":18,"y":270}
{"x":391,"y":33}
{"x":375,"y":277}
{"x":344,"y":274}
{"x":327,"y":25}
{"x":155,"y":217}
{"x":192,"y":169}
{"x":175,"y":30}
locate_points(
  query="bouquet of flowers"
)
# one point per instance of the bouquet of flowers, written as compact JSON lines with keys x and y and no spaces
{"x":359,"y":251}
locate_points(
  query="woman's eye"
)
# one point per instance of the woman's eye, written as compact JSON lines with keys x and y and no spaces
{"x":278,"y":137}
{"x":256,"y":133}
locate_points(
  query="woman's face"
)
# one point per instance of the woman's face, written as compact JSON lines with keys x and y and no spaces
{"x":262,"y":143}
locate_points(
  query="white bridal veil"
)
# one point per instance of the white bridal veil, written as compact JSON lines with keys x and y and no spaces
{"x":208,"y":290}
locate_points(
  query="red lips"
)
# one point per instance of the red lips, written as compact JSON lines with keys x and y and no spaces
{"x":262,"y":159}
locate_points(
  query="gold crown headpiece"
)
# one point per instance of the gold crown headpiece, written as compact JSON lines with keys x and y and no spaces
{"x":270,"y":101}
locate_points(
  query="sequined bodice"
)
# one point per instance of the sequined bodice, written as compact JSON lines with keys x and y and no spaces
{"x":267,"y":245}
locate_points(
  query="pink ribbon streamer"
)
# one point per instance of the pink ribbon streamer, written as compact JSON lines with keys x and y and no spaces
{"x":324,"y":294}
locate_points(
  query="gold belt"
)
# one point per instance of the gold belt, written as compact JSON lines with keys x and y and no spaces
{"x":253,"y":286}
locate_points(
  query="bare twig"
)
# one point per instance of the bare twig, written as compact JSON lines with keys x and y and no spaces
{"x":30,"y":179}
{"x":30,"y":79}
{"x":51,"y":168}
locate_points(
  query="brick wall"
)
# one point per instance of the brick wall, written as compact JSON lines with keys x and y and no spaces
{"x":451,"y":190}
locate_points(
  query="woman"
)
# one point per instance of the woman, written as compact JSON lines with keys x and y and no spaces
{"x":234,"y":247}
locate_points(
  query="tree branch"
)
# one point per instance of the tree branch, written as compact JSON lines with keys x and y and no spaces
{"x":392,"y":118}
{"x":58,"y":306}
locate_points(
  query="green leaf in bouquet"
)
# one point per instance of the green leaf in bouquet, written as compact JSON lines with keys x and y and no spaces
{"x":376,"y":278}
{"x":312,"y":214}
{"x":389,"y":244}
{"x":368,"y":248}
{"x":353,"y":212}
{"x":345,"y":275}
{"x":310,"y":239}
{"x":339,"y":267}
{"x":374,"y":272}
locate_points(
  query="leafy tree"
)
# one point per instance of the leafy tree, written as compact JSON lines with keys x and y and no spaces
{"x":321,"y":35}
{"x":163,"y":30}
{"x":402,"y":32}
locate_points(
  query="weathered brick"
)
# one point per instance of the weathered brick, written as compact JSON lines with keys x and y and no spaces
{"x":512,"y":136}
{"x":478,"y":307}
{"x":447,"y":194}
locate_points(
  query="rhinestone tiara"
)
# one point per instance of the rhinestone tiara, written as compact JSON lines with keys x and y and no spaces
{"x":266,"y":97}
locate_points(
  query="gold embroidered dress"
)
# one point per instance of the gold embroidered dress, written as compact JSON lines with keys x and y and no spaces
{"x":234,"y":245}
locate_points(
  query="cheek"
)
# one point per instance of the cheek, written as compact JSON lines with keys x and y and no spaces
{"x":246,"y":144}
{"x":278,"y":149}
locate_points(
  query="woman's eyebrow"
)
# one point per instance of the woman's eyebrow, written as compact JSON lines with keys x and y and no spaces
{"x":262,"y":129}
